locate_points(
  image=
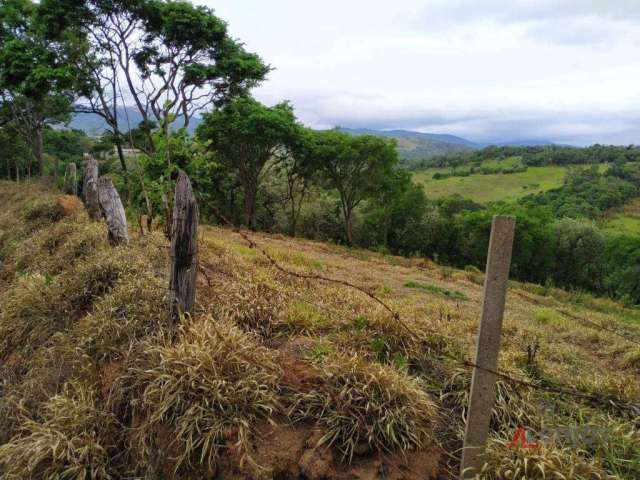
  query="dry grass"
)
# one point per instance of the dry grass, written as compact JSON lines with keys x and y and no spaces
{"x":203,"y":393}
{"x":86,"y":363}
{"x":68,"y":440}
{"x":364,"y":407}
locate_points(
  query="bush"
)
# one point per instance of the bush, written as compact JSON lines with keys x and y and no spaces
{"x":69,"y":441}
{"x":203,"y":392}
{"x":375,"y":407}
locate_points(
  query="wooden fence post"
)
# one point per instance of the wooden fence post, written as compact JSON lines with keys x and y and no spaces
{"x":113,"y":211}
{"x":70,"y":179}
{"x":90,"y":188}
{"x":184,"y":250}
{"x":482,"y":395}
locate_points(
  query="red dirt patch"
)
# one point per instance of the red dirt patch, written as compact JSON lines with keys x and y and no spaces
{"x":297,"y":374}
{"x":69,"y":204}
{"x":109,"y":372}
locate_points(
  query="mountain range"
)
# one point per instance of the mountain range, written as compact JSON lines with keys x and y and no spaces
{"x":412,"y":146}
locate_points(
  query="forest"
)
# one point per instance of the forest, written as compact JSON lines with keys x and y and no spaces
{"x":258,"y":166}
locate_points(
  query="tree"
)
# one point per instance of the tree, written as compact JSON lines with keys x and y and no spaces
{"x":246,"y":136}
{"x":579,"y":251}
{"x":171,"y":59}
{"x":297,"y":168}
{"x":354,"y":166}
{"x":36,"y":78}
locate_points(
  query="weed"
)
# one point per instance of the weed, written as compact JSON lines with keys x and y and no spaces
{"x":548,"y":315}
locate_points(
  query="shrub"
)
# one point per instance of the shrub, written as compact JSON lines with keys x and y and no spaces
{"x":69,"y":441}
{"x":207,"y":390}
{"x":368,"y":405}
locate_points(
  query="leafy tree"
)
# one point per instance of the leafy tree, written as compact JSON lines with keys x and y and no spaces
{"x":398,"y":207}
{"x":579,"y":249}
{"x":298,"y":170}
{"x":66,"y":146}
{"x":246,"y":136}
{"x":36,"y":78}
{"x":354,"y":166}
{"x":171,"y":58}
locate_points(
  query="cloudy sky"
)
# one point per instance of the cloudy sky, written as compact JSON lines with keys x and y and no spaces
{"x":488,"y":70}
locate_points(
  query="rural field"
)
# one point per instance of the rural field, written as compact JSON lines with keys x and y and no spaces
{"x":492,"y":188}
{"x":496,"y":187}
{"x":625,"y":220}
{"x":278,"y":375}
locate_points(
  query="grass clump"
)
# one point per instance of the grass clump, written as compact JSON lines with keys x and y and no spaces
{"x":206,"y":391}
{"x":68,"y":441}
{"x":254,"y":306}
{"x":52,"y":250}
{"x":437,"y":290}
{"x":43,"y":213}
{"x":132,"y":311}
{"x":547,"y":462}
{"x":548,"y":315}
{"x":364,"y":407}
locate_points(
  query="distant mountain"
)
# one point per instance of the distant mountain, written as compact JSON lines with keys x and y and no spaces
{"x":417,"y":145}
{"x":412,"y":145}
{"x":523,"y":143}
{"x":95,"y":125}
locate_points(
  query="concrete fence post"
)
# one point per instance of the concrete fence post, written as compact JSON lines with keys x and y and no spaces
{"x":482,"y":395}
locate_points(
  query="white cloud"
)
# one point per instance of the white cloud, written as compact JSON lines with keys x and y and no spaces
{"x":561,"y":70}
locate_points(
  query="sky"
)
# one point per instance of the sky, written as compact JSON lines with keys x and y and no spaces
{"x":487,"y":70}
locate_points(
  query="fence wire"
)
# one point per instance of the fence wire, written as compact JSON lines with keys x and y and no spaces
{"x":565,"y":390}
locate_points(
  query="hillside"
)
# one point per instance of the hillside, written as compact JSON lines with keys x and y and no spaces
{"x":414,"y":146}
{"x":495,"y":187}
{"x":277,"y":376}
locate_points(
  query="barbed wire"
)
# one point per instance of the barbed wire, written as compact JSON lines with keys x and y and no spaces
{"x":584,"y":321}
{"x":608,"y":400}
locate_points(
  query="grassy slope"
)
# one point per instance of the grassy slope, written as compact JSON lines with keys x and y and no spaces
{"x":488,"y":188}
{"x":84,"y":348}
{"x":626,"y":219}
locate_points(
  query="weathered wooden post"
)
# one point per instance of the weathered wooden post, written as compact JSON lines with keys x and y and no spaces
{"x":113,"y":211}
{"x":184,"y":250}
{"x":90,"y":188}
{"x":483,"y":381}
{"x":70,"y":179}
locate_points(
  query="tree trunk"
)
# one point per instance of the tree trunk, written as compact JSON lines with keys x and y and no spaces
{"x":348,"y":220}
{"x":125,"y":174}
{"x":90,"y":188}
{"x":250,"y":196}
{"x":38,"y":150}
{"x":148,"y":204}
{"x":184,"y":250}
{"x":168,"y":222}
{"x":70,"y":180}
{"x":113,"y":211}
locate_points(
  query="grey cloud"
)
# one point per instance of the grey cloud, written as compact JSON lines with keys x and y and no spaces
{"x":571,"y":32}
{"x":577,"y":127}
{"x":527,"y":10}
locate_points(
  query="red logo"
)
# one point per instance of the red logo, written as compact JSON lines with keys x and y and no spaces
{"x":520,"y":439}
